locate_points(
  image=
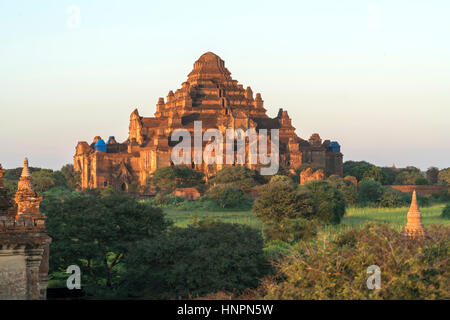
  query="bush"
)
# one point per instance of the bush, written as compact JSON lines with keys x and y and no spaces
{"x":194,"y":261}
{"x":328,"y":202}
{"x":392,"y":198}
{"x":446,"y":212}
{"x":347,"y":188}
{"x":291,"y":230}
{"x":338,"y":269}
{"x":369,"y":192}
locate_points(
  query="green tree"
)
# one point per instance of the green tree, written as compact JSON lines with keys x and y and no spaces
{"x":369,"y":192}
{"x":43,"y":180}
{"x":373,"y":173}
{"x":241,"y":176}
{"x":421,"y":181}
{"x":328,"y":202}
{"x":388,"y":175}
{"x":444,"y":176}
{"x":281,"y":200}
{"x":96,"y":232}
{"x":167,"y":179}
{"x":392,"y":198}
{"x":228,"y":196}
{"x":356,"y":168}
{"x":72,"y":177}
{"x":194,"y":261}
{"x":347,"y":187}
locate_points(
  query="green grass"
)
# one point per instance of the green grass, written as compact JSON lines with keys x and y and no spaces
{"x":354,"y":217}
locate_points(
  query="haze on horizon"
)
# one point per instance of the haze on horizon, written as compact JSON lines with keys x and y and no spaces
{"x":373,"y":75}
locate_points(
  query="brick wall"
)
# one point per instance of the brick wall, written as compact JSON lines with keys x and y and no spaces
{"x":420,"y":189}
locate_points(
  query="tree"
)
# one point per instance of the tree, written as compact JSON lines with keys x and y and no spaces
{"x":96,"y":232}
{"x":241,"y":176}
{"x":444,"y":176}
{"x":392,"y":198}
{"x":227,"y":196}
{"x":73,"y":178}
{"x":347,"y":187}
{"x":167,"y":179}
{"x":373,"y":173}
{"x":369,"y":192}
{"x":43,"y":180}
{"x":388,"y":175}
{"x":194,"y":261}
{"x":421,"y":181}
{"x":281,"y":200}
{"x":356,"y":168}
{"x":328,"y":202}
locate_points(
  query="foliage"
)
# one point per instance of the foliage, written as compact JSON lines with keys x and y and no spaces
{"x":421,"y":181}
{"x":408,"y":176}
{"x":72,"y":177}
{"x":356,"y":168}
{"x":369,"y":192}
{"x":392,"y":198}
{"x":328,"y":202}
{"x":242,"y":176}
{"x":281,"y":200}
{"x":291,"y":230}
{"x":337,"y":269}
{"x":373,"y":173}
{"x":167,"y":179}
{"x":388,"y":175}
{"x":96,"y":232}
{"x":347,"y":187}
{"x":196,"y":260}
{"x":227,"y":196}
{"x":444,"y":176}
{"x":432,"y":175}
{"x":446,"y":212}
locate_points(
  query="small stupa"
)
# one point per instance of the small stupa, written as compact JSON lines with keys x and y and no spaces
{"x":414,"y":228}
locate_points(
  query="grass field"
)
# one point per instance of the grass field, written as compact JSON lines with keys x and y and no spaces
{"x":354,"y":217}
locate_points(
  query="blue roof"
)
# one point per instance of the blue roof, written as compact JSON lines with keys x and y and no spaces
{"x":100,"y":145}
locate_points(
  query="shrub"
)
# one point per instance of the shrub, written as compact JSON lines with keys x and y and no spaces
{"x":228,"y":196}
{"x":195,"y":261}
{"x":291,"y":230}
{"x":337,"y":269}
{"x":369,"y":192}
{"x":347,"y":188}
{"x":446,"y":212}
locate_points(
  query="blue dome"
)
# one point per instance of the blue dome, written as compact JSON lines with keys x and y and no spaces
{"x":334,"y":146}
{"x":100,"y":145}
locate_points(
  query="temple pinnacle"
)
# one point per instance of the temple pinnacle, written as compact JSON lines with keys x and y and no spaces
{"x":25,"y":171}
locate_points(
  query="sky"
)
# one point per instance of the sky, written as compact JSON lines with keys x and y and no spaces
{"x":373,"y":75}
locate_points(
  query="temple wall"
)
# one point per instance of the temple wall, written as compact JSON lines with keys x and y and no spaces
{"x":13,"y":275}
{"x":420,"y":189}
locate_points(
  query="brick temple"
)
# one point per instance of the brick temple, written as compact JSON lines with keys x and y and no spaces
{"x":209,"y":95}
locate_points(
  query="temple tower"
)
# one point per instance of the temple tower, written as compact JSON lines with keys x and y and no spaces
{"x":414,"y":228}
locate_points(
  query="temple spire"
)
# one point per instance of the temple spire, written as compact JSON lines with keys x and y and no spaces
{"x":26,"y":198}
{"x":414,"y":228}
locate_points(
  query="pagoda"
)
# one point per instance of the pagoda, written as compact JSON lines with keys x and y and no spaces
{"x":414,"y":228}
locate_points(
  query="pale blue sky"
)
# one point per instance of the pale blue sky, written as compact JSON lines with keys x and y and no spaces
{"x":374,"y":75}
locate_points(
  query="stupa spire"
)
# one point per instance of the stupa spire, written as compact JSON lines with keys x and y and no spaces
{"x":414,"y":228}
{"x":25,"y":170}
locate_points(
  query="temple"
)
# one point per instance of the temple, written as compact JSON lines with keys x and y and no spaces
{"x":209,"y":95}
{"x":24,"y":243}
